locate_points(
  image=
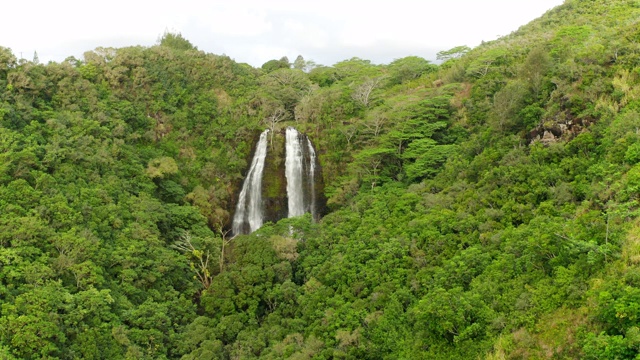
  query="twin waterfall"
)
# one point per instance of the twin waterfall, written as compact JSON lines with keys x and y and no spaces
{"x":301,"y":177}
{"x":249,"y":208}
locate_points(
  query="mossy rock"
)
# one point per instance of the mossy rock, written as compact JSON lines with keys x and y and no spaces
{"x":274,"y":182}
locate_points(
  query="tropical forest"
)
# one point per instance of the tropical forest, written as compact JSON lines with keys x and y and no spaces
{"x":482,"y":206}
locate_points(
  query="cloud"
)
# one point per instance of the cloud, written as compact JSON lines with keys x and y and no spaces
{"x":232,"y":19}
{"x":257,"y":31}
{"x":307,"y":34}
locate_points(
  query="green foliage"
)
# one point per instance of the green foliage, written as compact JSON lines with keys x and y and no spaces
{"x":490,"y":60}
{"x":323,"y":75}
{"x":452,"y":53}
{"x":273,"y":65}
{"x":160,"y":167}
{"x":7,"y":61}
{"x":568,"y":37}
{"x":408,"y":68}
{"x":175,"y":42}
{"x":632,"y":156}
{"x":484,"y":208}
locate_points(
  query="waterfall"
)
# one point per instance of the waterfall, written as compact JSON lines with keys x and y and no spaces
{"x":294,"y":171}
{"x":312,"y":178}
{"x":249,"y":208}
{"x":286,"y":183}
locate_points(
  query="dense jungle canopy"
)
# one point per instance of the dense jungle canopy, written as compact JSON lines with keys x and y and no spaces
{"x":483,"y":207}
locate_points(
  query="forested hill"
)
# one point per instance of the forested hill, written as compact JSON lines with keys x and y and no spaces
{"x":485,"y":207}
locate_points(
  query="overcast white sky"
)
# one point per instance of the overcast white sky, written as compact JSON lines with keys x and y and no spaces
{"x":255,"y":31}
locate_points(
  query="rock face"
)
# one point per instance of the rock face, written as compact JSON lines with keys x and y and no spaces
{"x":274,"y":181}
{"x":558,"y":130}
{"x":290,"y":182}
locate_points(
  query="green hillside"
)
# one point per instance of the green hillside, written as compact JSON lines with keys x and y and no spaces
{"x":485,"y":207}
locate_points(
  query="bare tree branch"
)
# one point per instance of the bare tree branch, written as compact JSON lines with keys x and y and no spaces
{"x":272,"y":120}
{"x":362,"y":93}
{"x":199,"y":259}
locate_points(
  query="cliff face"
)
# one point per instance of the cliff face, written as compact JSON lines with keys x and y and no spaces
{"x":274,"y":182}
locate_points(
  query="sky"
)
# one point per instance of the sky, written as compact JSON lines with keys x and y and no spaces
{"x":256,"y":31}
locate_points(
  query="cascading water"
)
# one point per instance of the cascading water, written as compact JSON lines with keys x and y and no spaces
{"x":294,"y":172}
{"x":312,"y":178}
{"x":286,"y":183}
{"x":249,"y":208}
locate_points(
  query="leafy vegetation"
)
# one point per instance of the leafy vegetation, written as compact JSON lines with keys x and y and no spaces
{"x":486,"y":207}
